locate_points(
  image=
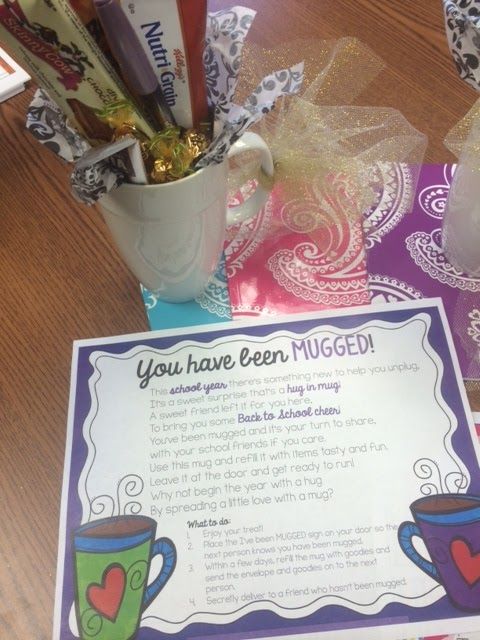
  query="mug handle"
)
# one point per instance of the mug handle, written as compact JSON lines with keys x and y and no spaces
{"x":251,"y":142}
{"x":166,"y":548}
{"x":406,"y":531}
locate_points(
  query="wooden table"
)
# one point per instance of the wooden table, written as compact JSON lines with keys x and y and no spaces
{"x":61,"y":278}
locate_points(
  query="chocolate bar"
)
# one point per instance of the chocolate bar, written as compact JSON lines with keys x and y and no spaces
{"x":172,"y":34}
{"x":49,"y":39}
{"x":88,"y":121}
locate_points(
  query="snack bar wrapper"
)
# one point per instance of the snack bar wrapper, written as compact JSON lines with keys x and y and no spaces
{"x":172,"y":34}
{"x":49,"y":39}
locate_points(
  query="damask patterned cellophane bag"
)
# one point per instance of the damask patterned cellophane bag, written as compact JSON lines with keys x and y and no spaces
{"x":461,"y":224}
{"x":462,"y":23}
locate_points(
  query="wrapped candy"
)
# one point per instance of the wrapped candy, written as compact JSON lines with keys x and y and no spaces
{"x":169,"y":155}
{"x":174,"y":153}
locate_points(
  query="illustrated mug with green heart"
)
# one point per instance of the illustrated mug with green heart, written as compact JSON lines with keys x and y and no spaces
{"x":112,"y":558}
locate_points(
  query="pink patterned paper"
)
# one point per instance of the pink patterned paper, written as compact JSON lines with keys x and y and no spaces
{"x":294,"y":257}
{"x":298,"y":255}
{"x":303,"y":255}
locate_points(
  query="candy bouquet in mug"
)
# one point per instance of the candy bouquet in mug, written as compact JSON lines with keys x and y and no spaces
{"x":139,"y":97}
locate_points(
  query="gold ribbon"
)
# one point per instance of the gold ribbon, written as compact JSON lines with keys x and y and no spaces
{"x":319,"y":138}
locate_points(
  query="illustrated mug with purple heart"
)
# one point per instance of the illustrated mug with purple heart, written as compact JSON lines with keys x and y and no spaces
{"x":112,"y":558}
{"x":449,"y":525}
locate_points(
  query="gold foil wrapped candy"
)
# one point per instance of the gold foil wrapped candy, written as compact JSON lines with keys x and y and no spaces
{"x":117,"y":114}
{"x":160,"y":171}
{"x":174,"y":153}
{"x":196,"y":142}
{"x":119,"y":117}
{"x":176,"y":165}
{"x":163,"y":143}
{"x":169,"y":155}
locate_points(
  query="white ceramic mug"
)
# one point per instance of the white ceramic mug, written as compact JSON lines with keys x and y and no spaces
{"x":171,"y":235}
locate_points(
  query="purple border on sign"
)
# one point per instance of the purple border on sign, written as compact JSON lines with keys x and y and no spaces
{"x":267,"y":623}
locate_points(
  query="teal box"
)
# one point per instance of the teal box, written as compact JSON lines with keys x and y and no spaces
{"x":213,"y":305}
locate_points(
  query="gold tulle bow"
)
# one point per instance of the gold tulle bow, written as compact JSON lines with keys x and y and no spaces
{"x":320,"y":135}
